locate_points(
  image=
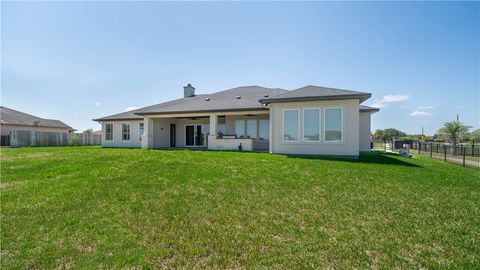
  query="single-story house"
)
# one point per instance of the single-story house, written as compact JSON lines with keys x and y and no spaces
{"x":14,"y":120}
{"x":309,"y":120}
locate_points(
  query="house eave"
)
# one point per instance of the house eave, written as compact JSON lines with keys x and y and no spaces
{"x":204,"y":111}
{"x":116,"y":119}
{"x":361,"y":97}
{"x":374,"y":110}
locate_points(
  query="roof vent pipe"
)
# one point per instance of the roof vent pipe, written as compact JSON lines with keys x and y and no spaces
{"x":188,"y":91}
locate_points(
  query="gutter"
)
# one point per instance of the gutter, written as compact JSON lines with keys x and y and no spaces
{"x":313,"y":98}
{"x":205,"y":111}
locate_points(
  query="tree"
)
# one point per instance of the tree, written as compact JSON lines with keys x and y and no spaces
{"x":388,"y":133}
{"x":88,"y":131}
{"x":475,"y":135}
{"x":454,"y":130}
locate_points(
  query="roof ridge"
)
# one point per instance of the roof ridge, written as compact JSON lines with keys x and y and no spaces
{"x":327,"y":87}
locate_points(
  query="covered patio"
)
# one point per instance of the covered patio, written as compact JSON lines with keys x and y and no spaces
{"x":223,"y":130}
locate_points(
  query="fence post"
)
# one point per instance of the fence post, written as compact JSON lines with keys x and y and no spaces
{"x":473,"y":148}
{"x":33,"y":137}
{"x":444,"y":152}
{"x":419,"y":147}
{"x":437,"y":148}
{"x":463,"y":155}
{"x":431,"y":144}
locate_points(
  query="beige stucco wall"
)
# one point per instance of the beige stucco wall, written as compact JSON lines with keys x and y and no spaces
{"x":5,"y":129}
{"x":230,"y":144}
{"x":349,"y":146}
{"x":161,"y":133}
{"x":365,"y":131}
{"x":117,"y":134}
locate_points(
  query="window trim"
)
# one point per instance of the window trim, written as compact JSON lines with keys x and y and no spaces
{"x":105,"y":132}
{"x":341,"y":126}
{"x":319,"y":124}
{"x":298,"y":125}
{"x":129,"y":131}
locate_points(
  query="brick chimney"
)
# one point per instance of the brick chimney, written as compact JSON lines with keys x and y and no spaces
{"x":188,"y":91}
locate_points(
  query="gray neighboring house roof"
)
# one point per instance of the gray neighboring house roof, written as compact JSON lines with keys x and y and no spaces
{"x":12,"y":117}
{"x":244,"y":98}
{"x":312,"y":92}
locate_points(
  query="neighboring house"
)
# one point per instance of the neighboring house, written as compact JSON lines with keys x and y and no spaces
{"x":14,"y":120}
{"x":309,"y":120}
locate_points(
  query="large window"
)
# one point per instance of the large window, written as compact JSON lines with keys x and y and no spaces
{"x":240,"y":128}
{"x":141,"y":128}
{"x":221,"y":128}
{"x":108,"y":132}
{"x":290,"y":125}
{"x":252,"y":129}
{"x":125,"y":132}
{"x":333,"y":124}
{"x":263,"y":130}
{"x":311,"y":125}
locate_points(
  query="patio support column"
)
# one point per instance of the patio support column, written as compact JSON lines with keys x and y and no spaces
{"x":212,"y":137}
{"x":147,"y":138}
{"x":213,"y":124}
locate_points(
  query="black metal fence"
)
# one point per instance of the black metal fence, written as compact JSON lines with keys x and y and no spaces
{"x":464,"y":154}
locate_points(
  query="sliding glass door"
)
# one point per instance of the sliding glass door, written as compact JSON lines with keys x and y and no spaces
{"x":196,"y":135}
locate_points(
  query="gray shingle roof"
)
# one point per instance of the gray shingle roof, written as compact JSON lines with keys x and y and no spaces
{"x":130,"y":115}
{"x":227,"y":100}
{"x":312,"y":92}
{"x":237,"y":99}
{"x":364,"y":108}
{"x":12,"y":117}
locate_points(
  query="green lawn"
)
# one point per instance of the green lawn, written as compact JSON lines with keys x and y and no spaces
{"x":88,"y":207}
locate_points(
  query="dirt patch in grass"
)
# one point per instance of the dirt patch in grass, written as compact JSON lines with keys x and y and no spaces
{"x":8,"y":184}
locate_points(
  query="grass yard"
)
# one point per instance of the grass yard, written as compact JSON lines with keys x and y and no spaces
{"x":88,"y":207}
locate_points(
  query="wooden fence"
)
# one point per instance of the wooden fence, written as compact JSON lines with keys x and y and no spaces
{"x":27,"y":138}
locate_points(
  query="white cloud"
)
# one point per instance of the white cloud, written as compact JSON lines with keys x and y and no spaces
{"x":418,"y":113}
{"x":462,"y":106}
{"x":97,"y":104}
{"x":130,"y":108}
{"x":394,"y":98}
{"x":75,"y":113}
{"x":425,"y":107}
{"x":382,"y":103}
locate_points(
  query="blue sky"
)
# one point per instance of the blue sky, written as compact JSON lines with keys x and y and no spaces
{"x":83,"y":60}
